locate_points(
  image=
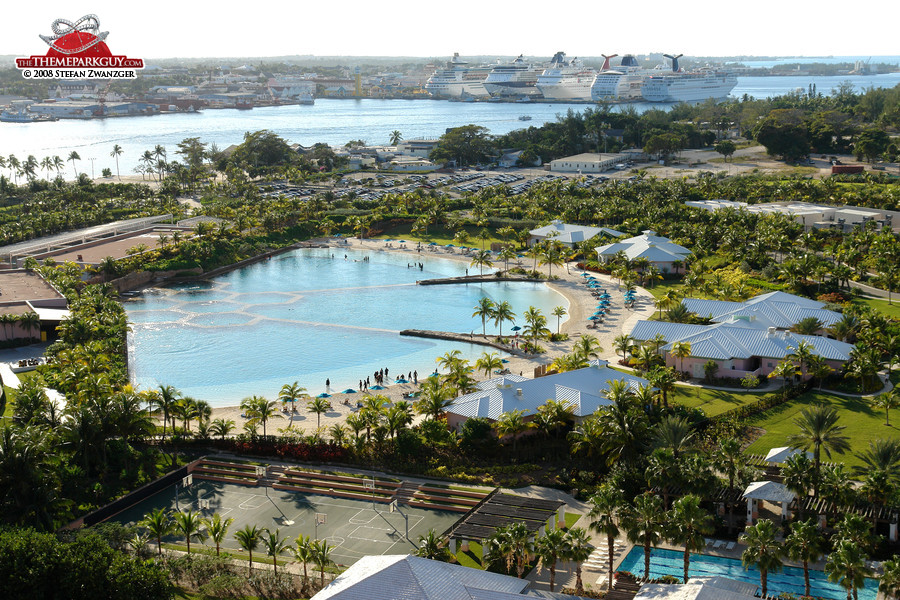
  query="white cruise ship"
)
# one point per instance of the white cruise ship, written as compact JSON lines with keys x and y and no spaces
{"x":566,"y":79}
{"x":690,"y":86}
{"x":620,"y":83}
{"x":513,"y":79}
{"x":458,"y":80}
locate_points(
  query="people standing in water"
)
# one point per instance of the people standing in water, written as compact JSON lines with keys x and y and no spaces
{"x":327,"y":384}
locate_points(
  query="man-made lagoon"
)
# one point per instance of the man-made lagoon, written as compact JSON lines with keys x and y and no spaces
{"x":307,"y":316}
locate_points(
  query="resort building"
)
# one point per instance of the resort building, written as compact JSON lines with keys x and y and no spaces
{"x":583,"y":389}
{"x":740,"y":346}
{"x":567,"y":234}
{"x":589,"y":162}
{"x":811,"y":215}
{"x":420,"y":148}
{"x":658,"y":251}
{"x":390,"y":577}
{"x":774,"y":309}
{"x":23,"y":292}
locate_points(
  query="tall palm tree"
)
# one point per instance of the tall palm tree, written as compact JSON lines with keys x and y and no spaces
{"x":187,"y":523}
{"x":578,"y":550}
{"x":887,"y":401}
{"x":259,"y":409}
{"x":846,"y":565}
{"x":159,"y":524}
{"x":605,"y":505}
{"x":221,"y":427}
{"x":488,"y":362}
{"x":321,"y":557}
{"x":319,"y":406}
{"x":681,"y":350}
{"x":303,"y":552}
{"x":645,"y":524}
{"x":689,"y":524}
{"x":675,"y":433}
{"x":889,"y":584}
{"x":481,"y":259}
{"x":291,"y":393}
{"x":166,"y":397}
{"x":435,"y":398}
{"x":484,"y":310}
{"x":818,"y":429}
{"x":805,"y":544}
{"x":217,"y":529}
{"x":249,"y":538}
{"x":622,"y":344}
{"x":763,"y":551}
{"x":559,"y":312}
{"x":549,"y":549}
{"x":535,"y":323}
{"x":58,"y":164}
{"x":503,"y":312}
{"x":511,"y":423}
{"x":396,"y":137}
{"x":587,"y":346}
{"x":117,"y":152}
{"x":274,"y":544}
{"x":73,"y":156}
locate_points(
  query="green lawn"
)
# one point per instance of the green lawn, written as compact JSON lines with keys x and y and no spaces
{"x":890,"y":310}
{"x":660,"y":288}
{"x":713,"y":402}
{"x":863,"y":424}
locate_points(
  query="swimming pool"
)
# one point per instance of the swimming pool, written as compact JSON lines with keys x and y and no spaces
{"x":671,"y":562}
{"x":307,"y":316}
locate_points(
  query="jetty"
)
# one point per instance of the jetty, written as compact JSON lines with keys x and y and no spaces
{"x":475,"y":279}
{"x":468,"y":338}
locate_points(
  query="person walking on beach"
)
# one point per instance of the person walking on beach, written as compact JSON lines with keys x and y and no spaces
{"x":327,"y":383}
{"x":416,"y":377}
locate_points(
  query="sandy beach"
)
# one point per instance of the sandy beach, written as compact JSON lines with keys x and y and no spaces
{"x":570,"y":284}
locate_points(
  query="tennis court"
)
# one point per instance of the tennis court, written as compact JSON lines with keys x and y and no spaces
{"x":355,"y":528}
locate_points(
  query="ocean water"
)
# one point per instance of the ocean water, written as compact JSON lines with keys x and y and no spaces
{"x":305,"y":316}
{"x":331,"y":121}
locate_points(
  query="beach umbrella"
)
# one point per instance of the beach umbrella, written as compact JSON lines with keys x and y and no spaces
{"x":432,"y":243}
{"x":516,"y":328}
{"x":584,"y":274}
{"x":323,"y":395}
{"x":593,"y":318}
{"x":349,"y":391}
{"x":503,"y":360}
{"x":401,"y":380}
{"x":377,"y":387}
{"x":449,"y":246}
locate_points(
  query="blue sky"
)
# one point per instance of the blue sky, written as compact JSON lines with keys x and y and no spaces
{"x":437,"y":29}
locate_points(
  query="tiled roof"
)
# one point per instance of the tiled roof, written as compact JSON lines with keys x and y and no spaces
{"x":646,"y":245}
{"x":775,"y":309}
{"x":566,"y":233}
{"x":583,"y":389}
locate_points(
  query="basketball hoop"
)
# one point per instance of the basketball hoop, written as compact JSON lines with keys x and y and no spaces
{"x":321,"y":518}
{"x":369,"y":484}
{"x":187,"y":480}
{"x":393,"y":507}
{"x":204,"y":504}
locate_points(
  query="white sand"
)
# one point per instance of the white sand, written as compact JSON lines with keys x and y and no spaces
{"x":570,"y":284}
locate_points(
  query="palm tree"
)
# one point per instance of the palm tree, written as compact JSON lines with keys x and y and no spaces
{"x":117,"y":152}
{"x":887,"y":401}
{"x":58,"y":164}
{"x":882,"y":455}
{"x":605,"y":504}
{"x":645,"y":524}
{"x":503,"y":312}
{"x":248,"y":538}
{"x":818,"y":428}
{"x":319,"y":406}
{"x":681,"y":350}
{"x":481,"y":259}
{"x":890,"y":578}
{"x":187,"y":523}
{"x":487,"y":362}
{"x":275,"y":545}
{"x":578,"y":550}
{"x":221,"y":427}
{"x":622,"y":344}
{"x":166,"y":398}
{"x":259,"y":409}
{"x":587,"y":347}
{"x":797,"y":474}
{"x":511,"y":545}
{"x":511,"y":423}
{"x":321,"y":552}
{"x":805,"y":544}
{"x":73,"y":156}
{"x":846,"y":565}
{"x":431,"y":546}
{"x":396,"y":137}
{"x":675,"y":433}
{"x":291,"y":393}
{"x":802,"y":355}
{"x":763,"y":551}
{"x":559,"y":312}
{"x":484,"y":310}
{"x":549,"y":549}
{"x":435,"y":398}
{"x":303,"y":552}
{"x":536,"y":323}
{"x":689,"y":523}
{"x":217,"y":529}
{"x":159,"y":524}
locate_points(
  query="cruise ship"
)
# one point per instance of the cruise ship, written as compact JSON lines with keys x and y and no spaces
{"x":689,"y":86}
{"x":622,"y":83}
{"x":566,"y":79}
{"x":458,"y":80}
{"x":513,"y":79}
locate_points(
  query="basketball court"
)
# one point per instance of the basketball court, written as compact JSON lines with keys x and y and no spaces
{"x":355,"y":528}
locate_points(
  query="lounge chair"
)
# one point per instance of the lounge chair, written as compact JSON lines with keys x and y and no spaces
{"x":718,"y":544}
{"x":730,"y":546}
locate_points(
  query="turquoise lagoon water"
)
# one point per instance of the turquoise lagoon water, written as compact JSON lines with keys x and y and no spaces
{"x":305,"y":316}
{"x":671,"y":562}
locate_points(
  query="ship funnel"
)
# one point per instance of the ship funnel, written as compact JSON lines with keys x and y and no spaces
{"x":629,"y":61}
{"x":674,"y":60}
{"x":558,"y":58}
{"x":606,"y":59}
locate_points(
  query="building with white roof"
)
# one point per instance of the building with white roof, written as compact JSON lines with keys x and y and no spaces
{"x":809,"y":214}
{"x":567,"y":234}
{"x":740,"y":347}
{"x":774,"y":309}
{"x":406,"y":577}
{"x":699,"y":588}
{"x":583,"y":389}
{"x":589,"y":162}
{"x":659,"y":251}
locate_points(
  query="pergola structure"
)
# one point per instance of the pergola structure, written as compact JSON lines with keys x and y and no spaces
{"x":499,"y":510}
{"x":780,"y":455}
{"x":767,"y":491}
